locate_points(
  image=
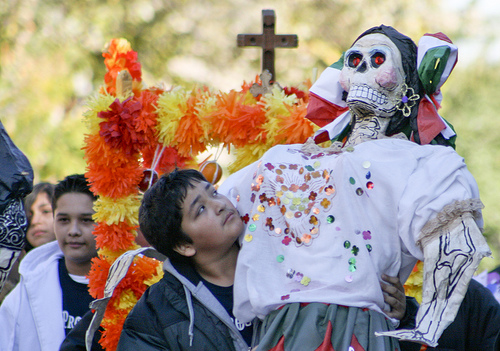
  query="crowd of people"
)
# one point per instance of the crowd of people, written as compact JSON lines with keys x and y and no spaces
{"x":306,"y":249}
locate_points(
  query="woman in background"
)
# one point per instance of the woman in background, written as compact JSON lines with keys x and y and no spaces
{"x":38,"y":208}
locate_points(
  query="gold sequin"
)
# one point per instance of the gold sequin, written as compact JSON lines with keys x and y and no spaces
{"x":325,"y":203}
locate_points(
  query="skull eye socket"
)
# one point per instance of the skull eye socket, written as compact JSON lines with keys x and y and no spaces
{"x":377,"y":59}
{"x":354,"y":60}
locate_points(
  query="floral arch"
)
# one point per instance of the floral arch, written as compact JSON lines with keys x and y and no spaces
{"x":133,"y":129}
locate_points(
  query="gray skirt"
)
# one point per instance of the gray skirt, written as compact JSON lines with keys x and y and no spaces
{"x":324,"y":327}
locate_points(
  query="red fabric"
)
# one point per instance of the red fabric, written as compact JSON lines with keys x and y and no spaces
{"x":280,"y":346}
{"x":326,"y":345}
{"x":428,"y":121}
{"x":321,"y":111}
{"x":356,"y":345}
{"x":322,"y":137}
{"x":440,"y":36}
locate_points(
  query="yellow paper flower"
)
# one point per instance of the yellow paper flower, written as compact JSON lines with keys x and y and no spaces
{"x":113,"y":211}
{"x":172,"y":106}
{"x":127,"y":300}
{"x":95,"y":105}
{"x":157,"y":277}
{"x":415,"y":282}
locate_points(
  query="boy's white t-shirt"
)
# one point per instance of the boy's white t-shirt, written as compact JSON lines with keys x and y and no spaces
{"x":324,"y":226}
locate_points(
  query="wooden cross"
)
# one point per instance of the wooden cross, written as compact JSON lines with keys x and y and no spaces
{"x":268,"y":40}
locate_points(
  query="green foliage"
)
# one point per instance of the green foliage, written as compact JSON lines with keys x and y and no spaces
{"x":470,"y":104}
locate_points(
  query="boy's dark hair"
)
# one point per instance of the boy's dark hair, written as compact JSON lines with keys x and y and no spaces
{"x":160,"y":213}
{"x":75,"y":183}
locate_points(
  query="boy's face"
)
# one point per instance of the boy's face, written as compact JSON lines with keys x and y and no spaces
{"x":210,"y":219}
{"x":73,"y":226}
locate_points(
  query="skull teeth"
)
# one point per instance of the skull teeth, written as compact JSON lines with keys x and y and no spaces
{"x":367,"y":93}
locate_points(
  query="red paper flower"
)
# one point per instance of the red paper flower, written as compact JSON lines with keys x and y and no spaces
{"x":121,"y":129}
{"x":292,"y":90}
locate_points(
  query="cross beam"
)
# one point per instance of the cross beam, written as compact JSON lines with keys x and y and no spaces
{"x":268,"y":40}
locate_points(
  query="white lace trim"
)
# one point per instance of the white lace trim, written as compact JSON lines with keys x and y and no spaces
{"x":311,"y":147}
{"x":445,"y":219}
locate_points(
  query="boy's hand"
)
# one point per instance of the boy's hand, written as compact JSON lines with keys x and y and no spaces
{"x":394,"y":296}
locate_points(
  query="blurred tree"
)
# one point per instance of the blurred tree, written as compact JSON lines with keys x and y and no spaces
{"x":471,"y":106}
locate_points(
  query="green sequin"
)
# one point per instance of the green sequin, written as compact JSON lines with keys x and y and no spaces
{"x":355,"y":250}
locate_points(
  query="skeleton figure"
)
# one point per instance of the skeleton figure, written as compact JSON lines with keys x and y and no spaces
{"x":378,"y":94}
{"x":323,"y":224}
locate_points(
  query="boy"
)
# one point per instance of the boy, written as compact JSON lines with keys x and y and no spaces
{"x":52,"y":294}
{"x":186,"y":219}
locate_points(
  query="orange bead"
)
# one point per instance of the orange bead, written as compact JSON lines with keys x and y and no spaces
{"x":212,"y":171}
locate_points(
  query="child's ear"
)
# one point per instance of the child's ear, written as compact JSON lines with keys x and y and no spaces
{"x":185,"y":250}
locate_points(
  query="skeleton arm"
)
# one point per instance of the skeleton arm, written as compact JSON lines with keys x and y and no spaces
{"x":452,"y":252}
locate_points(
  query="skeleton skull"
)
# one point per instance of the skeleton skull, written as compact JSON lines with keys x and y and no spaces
{"x":373,"y":76}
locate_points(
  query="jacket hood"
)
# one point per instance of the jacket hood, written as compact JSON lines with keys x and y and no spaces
{"x":39,"y":258}
{"x":185,"y":273}
{"x":194,"y":288}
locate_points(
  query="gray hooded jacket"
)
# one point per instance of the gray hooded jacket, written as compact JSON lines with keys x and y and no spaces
{"x":180,"y":313}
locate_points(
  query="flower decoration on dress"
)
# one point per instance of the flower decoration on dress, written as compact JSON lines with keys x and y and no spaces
{"x":408,"y":100}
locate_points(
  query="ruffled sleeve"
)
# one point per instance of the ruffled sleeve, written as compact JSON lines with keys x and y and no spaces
{"x":439,"y":189}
